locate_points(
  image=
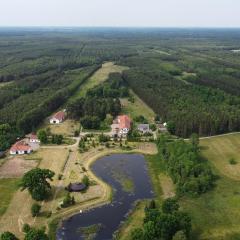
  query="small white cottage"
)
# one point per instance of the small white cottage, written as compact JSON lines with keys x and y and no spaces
{"x":57,"y":117}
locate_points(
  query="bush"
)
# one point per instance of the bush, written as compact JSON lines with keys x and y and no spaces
{"x":232,"y":161}
{"x":103,"y":138}
{"x":85,"y":180}
{"x":68,"y":201}
{"x":153,"y":127}
{"x":26,"y":228}
{"x":35,"y":209}
{"x":8,"y":236}
{"x":42,"y":136}
{"x":57,"y":139}
{"x":76,"y":133}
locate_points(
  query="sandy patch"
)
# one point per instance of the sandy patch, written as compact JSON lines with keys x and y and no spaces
{"x":16,"y":167}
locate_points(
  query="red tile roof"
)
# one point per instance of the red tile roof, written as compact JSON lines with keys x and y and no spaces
{"x":20,"y":146}
{"x":59,"y":115}
{"x":124,"y":121}
{"x":33,"y":136}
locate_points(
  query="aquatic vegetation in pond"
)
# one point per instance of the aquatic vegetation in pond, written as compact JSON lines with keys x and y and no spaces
{"x":125,"y":181}
{"x":89,"y":232}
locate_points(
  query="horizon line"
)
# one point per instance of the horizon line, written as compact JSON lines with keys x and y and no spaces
{"x":158,"y":27}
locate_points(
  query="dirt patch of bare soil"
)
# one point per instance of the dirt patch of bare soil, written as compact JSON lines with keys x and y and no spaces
{"x":16,"y":167}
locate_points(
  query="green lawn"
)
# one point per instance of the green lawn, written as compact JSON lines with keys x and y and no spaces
{"x":216,"y":214}
{"x":219,"y":150}
{"x":136,"y":108}
{"x":7,"y":189}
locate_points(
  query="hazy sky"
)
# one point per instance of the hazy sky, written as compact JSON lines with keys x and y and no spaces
{"x":158,"y":13}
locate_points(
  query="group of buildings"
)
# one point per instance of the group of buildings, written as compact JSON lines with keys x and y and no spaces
{"x":27,"y":145}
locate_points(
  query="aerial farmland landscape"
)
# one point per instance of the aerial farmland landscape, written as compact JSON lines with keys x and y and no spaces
{"x":121,"y":124}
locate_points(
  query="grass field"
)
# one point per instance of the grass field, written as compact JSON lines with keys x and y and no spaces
{"x":66,"y":128}
{"x":219,"y":150}
{"x":138,"y":107}
{"x":216,"y":214}
{"x":98,"y":77}
{"x":7,"y":188}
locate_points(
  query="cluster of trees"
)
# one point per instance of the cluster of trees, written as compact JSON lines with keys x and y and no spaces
{"x":30,"y":234}
{"x":7,"y":136}
{"x":115,"y":87}
{"x":168,"y":223}
{"x":45,"y":137}
{"x":191,"y":174}
{"x":98,"y":102}
{"x":189,"y":107}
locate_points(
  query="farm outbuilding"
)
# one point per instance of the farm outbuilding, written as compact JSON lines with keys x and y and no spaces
{"x":57,"y":117}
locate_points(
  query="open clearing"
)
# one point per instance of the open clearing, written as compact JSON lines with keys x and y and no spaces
{"x":98,"y":77}
{"x":138,"y":107}
{"x":219,"y":150}
{"x":16,"y":167}
{"x":66,"y":128}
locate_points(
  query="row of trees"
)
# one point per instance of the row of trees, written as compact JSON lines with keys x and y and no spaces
{"x":168,"y":223}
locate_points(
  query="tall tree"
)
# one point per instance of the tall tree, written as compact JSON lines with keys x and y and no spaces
{"x":36,"y":181}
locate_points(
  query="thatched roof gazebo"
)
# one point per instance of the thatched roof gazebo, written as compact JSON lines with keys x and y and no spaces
{"x":76,"y":187}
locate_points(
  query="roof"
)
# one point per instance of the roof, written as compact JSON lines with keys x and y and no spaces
{"x":59,"y":115}
{"x":76,"y":187}
{"x":33,"y":136}
{"x":143,"y":126}
{"x":124,"y":121}
{"x":20,"y":146}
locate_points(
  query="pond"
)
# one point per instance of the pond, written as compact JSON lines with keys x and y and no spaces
{"x":128,"y":175}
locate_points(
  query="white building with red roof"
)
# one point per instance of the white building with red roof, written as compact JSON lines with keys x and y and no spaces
{"x":121,"y":126}
{"x":33,"y":138}
{"x":20,"y":147}
{"x":57,"y":117}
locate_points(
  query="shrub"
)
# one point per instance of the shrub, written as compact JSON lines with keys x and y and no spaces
{"x":232,"y":161}
{"x":35,"y":209}
{"x":85,"y":180}
{"x":8,"y":236}
{"x":26,"y":228}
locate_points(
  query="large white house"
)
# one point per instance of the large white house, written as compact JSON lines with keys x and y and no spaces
{"x":20,"y":147}
{"x":57,"y":117}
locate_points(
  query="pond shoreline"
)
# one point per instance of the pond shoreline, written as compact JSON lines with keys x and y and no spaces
{"x":98,"y":170}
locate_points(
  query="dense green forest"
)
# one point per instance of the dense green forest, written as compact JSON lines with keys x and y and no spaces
{"x":189,"y":77}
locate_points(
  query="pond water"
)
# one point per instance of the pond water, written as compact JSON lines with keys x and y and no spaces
{"x":127,"y":174}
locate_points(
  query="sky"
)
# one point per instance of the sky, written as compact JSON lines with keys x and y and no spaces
{"x":121,"y":13}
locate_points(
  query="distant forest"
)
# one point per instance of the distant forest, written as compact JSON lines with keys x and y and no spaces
{"x":191,"y":78}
